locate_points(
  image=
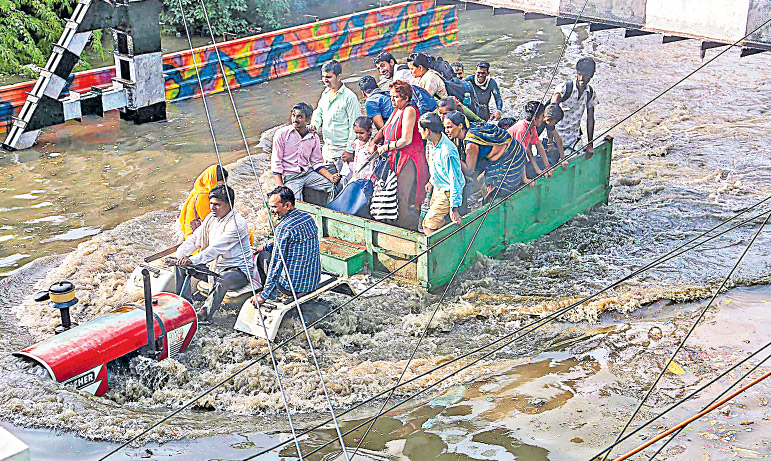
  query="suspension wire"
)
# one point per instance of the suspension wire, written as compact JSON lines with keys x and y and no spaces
{"x":426,"y":250}
{"x":692,"y":418}
{"x":248,"y":274}
{"x":685,"y":338}
{"x":446,"y":290}
{"x":278,"y":247}
{"x":279,"y":250}
{"x":490,"y":353}
{"x":536,"y":324}
{"x":695,"y":392}
{"x":743,"y":377}
{"x":284,"y":343}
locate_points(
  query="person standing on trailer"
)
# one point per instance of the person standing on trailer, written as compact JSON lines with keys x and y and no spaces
{"x":391,"y":71}
{"x":222,"y":239}
{"x":296,"y":242}
{"x":552,"y":142}
{"x":356,"y":159}
{"x":484,"y":88}
{"x":296,"y":160}
{"x":377,"y":103}
{"x":427,"y":78}
{"x":446,"y":177}
{"x":526,"y":132}
{"x":335,"y":113}
{"x":575,"y":96}
{"x":457,"y":68}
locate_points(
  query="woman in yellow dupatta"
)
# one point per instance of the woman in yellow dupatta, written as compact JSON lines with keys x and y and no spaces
{"x":196,"y":206}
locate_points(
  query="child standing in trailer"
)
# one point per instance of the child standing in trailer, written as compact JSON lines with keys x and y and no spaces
{"x":355,"y":158}
{"x":447,"y":180}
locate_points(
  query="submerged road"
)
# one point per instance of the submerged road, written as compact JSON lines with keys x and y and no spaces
{"x":685,"y":164}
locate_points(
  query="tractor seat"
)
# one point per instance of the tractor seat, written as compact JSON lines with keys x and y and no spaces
{"x":205,"y":289}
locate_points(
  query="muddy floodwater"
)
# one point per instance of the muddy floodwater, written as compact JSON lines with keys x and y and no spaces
{"x":91,"y":199}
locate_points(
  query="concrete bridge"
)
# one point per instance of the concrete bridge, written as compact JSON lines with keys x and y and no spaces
{"x":714,"y":22}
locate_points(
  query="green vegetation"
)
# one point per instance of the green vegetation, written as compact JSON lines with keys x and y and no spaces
{"x":239,"y":17}
{"x":29,"y":28}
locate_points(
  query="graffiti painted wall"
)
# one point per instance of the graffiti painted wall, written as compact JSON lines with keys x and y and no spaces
{"x":402,"y":27}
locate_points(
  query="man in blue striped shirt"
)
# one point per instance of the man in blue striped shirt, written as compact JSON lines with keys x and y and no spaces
{"x":296,"y":238}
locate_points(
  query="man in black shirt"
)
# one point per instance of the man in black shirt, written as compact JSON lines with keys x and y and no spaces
{"x":485,"y":88}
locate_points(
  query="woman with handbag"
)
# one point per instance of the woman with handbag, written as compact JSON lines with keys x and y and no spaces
{"x":400,"y":139}
{"x":196,"y":206}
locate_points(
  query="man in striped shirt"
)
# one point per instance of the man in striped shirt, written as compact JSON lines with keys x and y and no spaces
{"x":296,"y":244}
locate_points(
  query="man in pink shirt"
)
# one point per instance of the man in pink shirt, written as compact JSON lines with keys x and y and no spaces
{"x":526,"y":132}
{"x":296,"y":160}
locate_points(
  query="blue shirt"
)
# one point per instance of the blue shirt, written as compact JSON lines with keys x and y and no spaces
{"x":297,"y":237}
{"x":379,"y":103}
{"x":444,"y":167}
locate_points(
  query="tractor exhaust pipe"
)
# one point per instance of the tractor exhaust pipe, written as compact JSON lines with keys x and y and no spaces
{"x":149,"y":313}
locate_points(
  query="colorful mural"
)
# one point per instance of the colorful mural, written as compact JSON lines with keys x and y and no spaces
{"x":402,"y":27}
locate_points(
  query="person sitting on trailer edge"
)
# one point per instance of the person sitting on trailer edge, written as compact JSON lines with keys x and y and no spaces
{"x":296,"y":159}
{"x":485,"y":88}
{"x":573,"y":97}
{"x":446,"y":178}
{"x":222,"y":239}
{"x":293,"y":252}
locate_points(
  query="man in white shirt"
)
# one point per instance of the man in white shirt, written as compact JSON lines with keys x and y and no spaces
{"x":222,"y":241}
{"x":575,"y":97}
{"x":335,"y":113}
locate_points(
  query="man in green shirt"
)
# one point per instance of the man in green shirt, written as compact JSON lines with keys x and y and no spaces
{"x":335,"y":113}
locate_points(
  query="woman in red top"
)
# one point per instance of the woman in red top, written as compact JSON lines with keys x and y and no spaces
{"x":526,"y":132}
{"x":400,"y":137}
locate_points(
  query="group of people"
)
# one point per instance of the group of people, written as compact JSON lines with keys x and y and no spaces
{"x":222,"y":241}
{"x":484,"y":149}
{"x":441,"y":147}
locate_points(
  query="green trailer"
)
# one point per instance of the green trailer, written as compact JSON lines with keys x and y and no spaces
{"x":348,"y":243}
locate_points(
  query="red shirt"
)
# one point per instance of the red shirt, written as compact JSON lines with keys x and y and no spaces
{"x":517,"y":131}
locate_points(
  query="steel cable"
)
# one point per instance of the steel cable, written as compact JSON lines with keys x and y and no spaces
{"x":473,"y":237}
{"x":536,"y":324}
{"x":415,"y":258}
{"x":735,"y":383}
{"x":685,"y":338}
{"x":696,"y":392}
{"x":276,"y":246}
{"x":688,"y":421}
